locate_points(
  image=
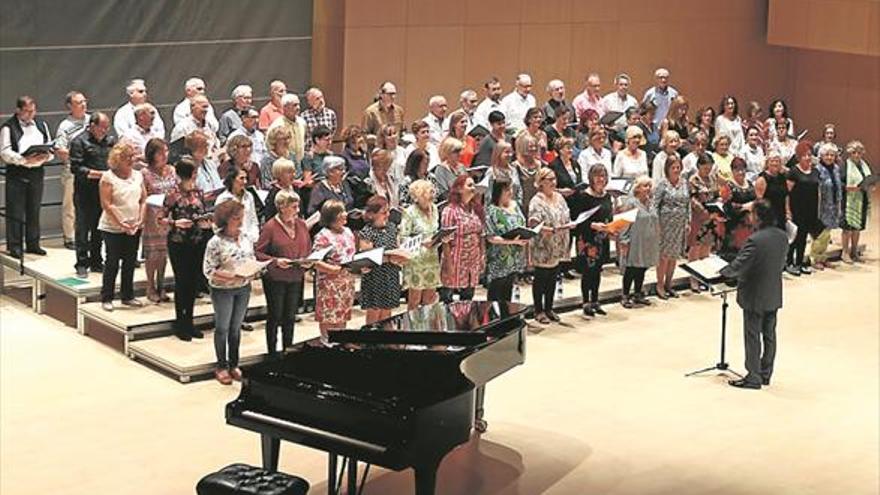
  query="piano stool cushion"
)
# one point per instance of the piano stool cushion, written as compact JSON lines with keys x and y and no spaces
{"x":242,"y":479}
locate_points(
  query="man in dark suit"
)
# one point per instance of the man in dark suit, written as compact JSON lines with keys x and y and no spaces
{"x":758,"y":268}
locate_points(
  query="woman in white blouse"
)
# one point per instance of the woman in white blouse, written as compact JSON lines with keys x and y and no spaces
{"x":670,"y":142}
{"x":632,"y":161}
{"x":596,"y":152}
{"x":778,"y":113}
{"x":753,"y":154}
{"x":728,"y":122}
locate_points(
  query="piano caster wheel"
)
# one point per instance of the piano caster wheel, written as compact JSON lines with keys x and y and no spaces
{"x":480,"y":425}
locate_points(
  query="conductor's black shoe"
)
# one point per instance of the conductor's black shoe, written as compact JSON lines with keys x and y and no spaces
{"x":765,"y":381}
{"x":793,"y":270}
{"x":36,"y":250}
{"x":744,"y":384}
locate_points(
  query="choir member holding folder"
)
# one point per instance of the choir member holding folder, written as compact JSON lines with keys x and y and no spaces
{"x":380,"y":288}
{"x":593,"y":238}
{"x":334,"y":295}
{"x":552,"y":246}
{"x":159,"y":179}
{"x":419,"y":226}
{"x":228,"y":251}
{"x":505,"y":255}
{"x":462,"y":259}
{"x":284,"y":238}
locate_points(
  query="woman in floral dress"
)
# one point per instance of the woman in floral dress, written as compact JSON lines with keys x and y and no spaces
{"x":159,"y":178}
{"x":673,"y":211}
{"x":335,"y":292}
{"x":706,"y":228}
{"x":505,"y":258}
{"x":462,"y":258}
{"x":421,"y":275}
{"x":551,"y":246}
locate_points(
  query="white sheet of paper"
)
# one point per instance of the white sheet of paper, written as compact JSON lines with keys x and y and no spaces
{"x":313,"y":220}
{"x":157,"y":200}
{"x":708,"y":267}
{"x":375,"y":255}
{"x":628,"y":215}
{"x":250,"y":268}
{"x":320,"y":254}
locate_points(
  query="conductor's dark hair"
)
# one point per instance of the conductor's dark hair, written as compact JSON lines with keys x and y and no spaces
{"x":765,"y":213}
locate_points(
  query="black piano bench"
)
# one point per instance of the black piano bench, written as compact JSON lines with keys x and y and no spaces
{"x":242,"y":479}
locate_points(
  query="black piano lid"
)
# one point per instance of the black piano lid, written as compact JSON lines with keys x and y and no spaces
{"x":433,"y":328}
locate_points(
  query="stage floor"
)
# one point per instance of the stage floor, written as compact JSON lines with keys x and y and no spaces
{"x":600,"y":407}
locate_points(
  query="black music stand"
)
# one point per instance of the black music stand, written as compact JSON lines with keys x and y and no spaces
{"x":710,"y":278}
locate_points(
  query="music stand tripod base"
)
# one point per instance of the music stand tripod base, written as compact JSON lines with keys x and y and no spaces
{"x":722,"y":364}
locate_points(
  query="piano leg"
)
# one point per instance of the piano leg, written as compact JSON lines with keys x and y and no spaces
{"x":480,"y":425}
{"x":352,"y":476}
{"x":331,"y":474}
{"x":426,"y":478}
{"x":270,"y":446}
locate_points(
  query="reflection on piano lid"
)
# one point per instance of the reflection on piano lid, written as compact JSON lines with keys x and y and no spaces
{"x":463,"y":323}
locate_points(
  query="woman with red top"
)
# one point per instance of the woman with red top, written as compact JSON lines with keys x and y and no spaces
{"x":284,"y":238}
{"x":462,"y":258}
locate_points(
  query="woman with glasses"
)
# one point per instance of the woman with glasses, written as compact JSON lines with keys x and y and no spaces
{"x":551,"y":246}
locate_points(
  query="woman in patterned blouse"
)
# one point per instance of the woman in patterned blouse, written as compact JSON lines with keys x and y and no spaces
{"x":505,"y":258}
{"x":421,"y":275}
{"x":230,"y":293}
{"x":462,"y":258}
{"x":334,"y":295}
{"x":550,"y":247}
{"x":189,"y":223}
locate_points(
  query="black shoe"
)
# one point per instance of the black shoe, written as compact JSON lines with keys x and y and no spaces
{"x":36,"y":250}
{"x":806,"y":270}
{"x":627,"y":303}
{"x":15,"y":253}
{"x":744,"y":384}
{"x":588,"y":310}
{"x":82,"y":272}
{"x":664,"y":295}
{"x":69,"y":245}
{"x":183,"y":336}
{"x":553,"y":316}
{"x":671,"y":293}
{"x":247,"y":327}
{"x":97,"y":268}
{"x":568,"y":275}
{"x":598,"y":309}
{"x":196,"y":334}
{"x":765,"y":381}
{"x":793,"y":270}
{"x":641,"y":299}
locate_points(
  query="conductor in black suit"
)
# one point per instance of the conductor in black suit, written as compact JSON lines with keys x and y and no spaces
{"x":758,"y":269}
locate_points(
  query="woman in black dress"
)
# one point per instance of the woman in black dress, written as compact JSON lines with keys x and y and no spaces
{"x":380,"y":287}
{"x":803,"y":200}
{"x":568,"y":175}
{"x":737,"y":205}
{"x":770,"y":185}
{"x":592,"y":239}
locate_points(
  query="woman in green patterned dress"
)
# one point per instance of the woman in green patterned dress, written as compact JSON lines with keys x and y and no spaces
{"x":421,"y":276}
{"x":855,"y":200}
{"x":504,"y":257}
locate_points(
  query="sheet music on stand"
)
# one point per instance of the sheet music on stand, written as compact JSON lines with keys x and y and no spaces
{"x":708,"y":271}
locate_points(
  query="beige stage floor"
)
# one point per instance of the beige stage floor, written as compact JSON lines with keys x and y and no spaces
{"x":600,"y":407}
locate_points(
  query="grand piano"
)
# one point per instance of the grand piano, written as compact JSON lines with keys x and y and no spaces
{"x":400,"y":393}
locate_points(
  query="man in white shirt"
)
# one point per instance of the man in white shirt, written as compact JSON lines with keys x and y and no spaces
{"x":489,"y":104}
{"x":230,"y":121}
{"x":143,"y":130}
{"x":198,"y":119}
{"x":123,"y":119}
{"x":73,"y":125}
{"x":620,"y":99}
{"x":590,"y":99}
{"x":438,"y":122}
{"x":24,"y":176}
{"x":518,"y":102}
{"x":193,"y":87}
{"x":661,"y":95}
{"x":249,"y":118}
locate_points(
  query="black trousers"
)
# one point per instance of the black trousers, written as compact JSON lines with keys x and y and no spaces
{"x":120,"y":248}
{"x":202,"y":283}
{"x":24,"y":193}
{"x":759,"y":327}
{"x":87,"y":236}
{"x":185,"y":263}
{"x":799,"y":245}
{"x":282,"y":299}
{"x":501,"y":289}
{"x":446,"y":294}
{"x":633,"y":274}
{"x":544,"y":288}
{"x":591,"y":278}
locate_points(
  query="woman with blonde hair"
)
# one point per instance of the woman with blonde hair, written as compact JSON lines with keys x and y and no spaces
{"x":389,"y":140}
{"x":642,"y":239}
{"x":278,"y":140}
{"x":421,"y":275}
{"x":677,"y":119}
{"x":123,"y":201}
{"x":551,"y":246}
{"x":449,"y":168}
{"x":670,"y":142}
{"x":500,"y":168}
{"x":855,"y":200}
